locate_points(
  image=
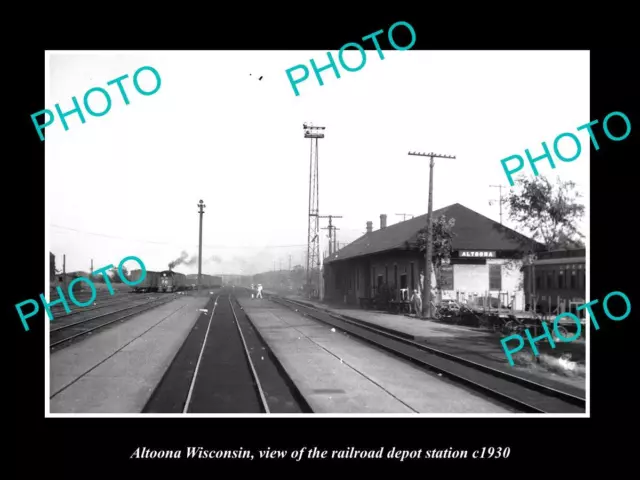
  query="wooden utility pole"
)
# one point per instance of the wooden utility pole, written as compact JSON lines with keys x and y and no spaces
{"x":330,"y":228}
{"x":201,"y":207}
{"x":333,"y":245}
{"x":490,"y":203}
{"x":428,"y":256}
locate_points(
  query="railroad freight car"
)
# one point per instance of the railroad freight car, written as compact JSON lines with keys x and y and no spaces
{"x":149,"y":284}
{"x":192,"y":281}
{"x":560,"y":279}
{"x":208,"y":281}
{"x":171,"y":281}
{"x":211,"y":281}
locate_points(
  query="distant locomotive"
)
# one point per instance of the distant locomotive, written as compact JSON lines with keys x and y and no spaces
{"x":170,"y":281}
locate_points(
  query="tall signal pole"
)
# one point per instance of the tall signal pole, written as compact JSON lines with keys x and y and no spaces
{"x":335,"y":239}
{"x":500,"y":187}
{"x":426,"y":305}
{"x":404,"y":215}
{"x":331,"y":228}
{"x":201,"y":207}
{"x":313,"y":238}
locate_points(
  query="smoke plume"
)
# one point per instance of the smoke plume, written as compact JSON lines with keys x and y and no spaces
{"x":178,"y":261}
{"x":184,"y":259}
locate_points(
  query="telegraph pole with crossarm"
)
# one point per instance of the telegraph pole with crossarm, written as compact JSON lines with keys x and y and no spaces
{"x":491,"y":203}
{"x":201,"y":207}
{"x":331,"y":228}
{"x":426,"y":305}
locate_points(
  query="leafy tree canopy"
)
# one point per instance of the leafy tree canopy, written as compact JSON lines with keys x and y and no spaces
{"x":115,"y":277}
{"x":549,"y":211}
{"x":442,"y":232}
{"x":442,"y":242}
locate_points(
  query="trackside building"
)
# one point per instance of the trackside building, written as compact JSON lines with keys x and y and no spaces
{"x":485,"y":260}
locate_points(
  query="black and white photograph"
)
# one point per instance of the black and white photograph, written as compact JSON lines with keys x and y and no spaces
{"x":226,"y":238}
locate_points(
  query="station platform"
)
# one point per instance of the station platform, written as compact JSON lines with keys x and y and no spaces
{"x":475,"y":344}
{"x":115,"y":370}
{"x":339,"y":374}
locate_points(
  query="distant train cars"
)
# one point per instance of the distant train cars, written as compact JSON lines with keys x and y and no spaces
{"x":169,"y":281}
{"x":149,"y":284}
{"x":557,"y":278}
{"x":208,"y":281}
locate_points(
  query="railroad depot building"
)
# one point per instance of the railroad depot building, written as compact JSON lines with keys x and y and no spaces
{"x":485,"y":259}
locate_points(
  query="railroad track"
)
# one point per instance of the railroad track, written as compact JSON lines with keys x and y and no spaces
{"x":64,"y":335}
{"x":103,"y":301}
{"x":521,"y":394}
{"x":224,"y":366}
{"x":100,"y":303}
{"x":83,"y":295}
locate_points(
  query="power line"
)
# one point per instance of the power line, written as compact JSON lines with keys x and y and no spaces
{"x":174,"y":244}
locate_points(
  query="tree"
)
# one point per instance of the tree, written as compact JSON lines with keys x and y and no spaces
{"x":442,"y":244}
{"x":550,"y":212}
{"x":115,"y":276}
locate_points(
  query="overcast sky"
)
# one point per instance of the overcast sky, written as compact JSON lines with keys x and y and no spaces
{"x":128,"y":183}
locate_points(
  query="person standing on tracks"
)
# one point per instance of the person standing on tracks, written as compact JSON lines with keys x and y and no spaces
{"x":259,"y":295}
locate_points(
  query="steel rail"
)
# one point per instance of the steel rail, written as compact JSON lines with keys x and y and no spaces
{"x":265,"y":405}
{"x":195,"y":373}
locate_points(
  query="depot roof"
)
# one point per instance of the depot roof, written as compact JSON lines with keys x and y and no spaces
{"x":472,"y":230}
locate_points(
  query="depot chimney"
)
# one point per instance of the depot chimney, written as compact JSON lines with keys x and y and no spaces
{"x":383,"y":221}
{"x":369,"y":227}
